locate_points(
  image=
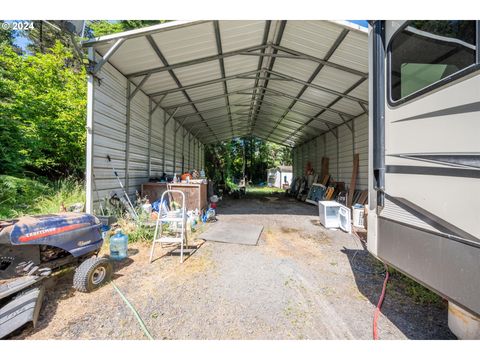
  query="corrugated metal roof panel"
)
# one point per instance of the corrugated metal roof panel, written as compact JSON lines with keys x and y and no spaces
{"x":353,"y":52}
{"x":311,"y":37}
{"x":135,"y":55}
{"x":318,"y":96}
{"x":205,"y":91}
{"x":287,"y":87}
{"x":198,"y":73}
{"x":173,"y":99}
{"x":241,"y":34}
{"x":300,"y":69}
{"x":361,"y":91}
{"x":335,"y":79}
{"x":211,"y":104}
{"x":348,"y":106}
{"x":332,"y":117}
{"x":187,"y":43}
{"x":240,"y":84}
{"x":240,"y":64}
{"x":306,"y":109}
{"x":192,"y":54}
{"x":158,"y":82}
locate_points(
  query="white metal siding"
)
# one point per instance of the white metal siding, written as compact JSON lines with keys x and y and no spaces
{"x":361,"y":147}
{"x":331,"y":153}
{"x":326,"y":145}
{"x":157,"y":143}
{"x":169,"y":129}
{"x":345,"y":154}
{"x":138,"y":159}
{"x":110,"y":138}
{"x":109,"y":131}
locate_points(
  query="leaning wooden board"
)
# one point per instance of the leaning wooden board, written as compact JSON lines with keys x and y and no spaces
{"x":353,"y":181}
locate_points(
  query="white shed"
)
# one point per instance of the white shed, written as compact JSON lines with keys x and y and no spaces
{"x":279,"y":176}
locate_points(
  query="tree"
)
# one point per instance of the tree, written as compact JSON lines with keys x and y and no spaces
{"x":97,"y":28}
{"x":225,"y":160}
{"x":6,"y":36}
{"x":43,"y":37}
{"x":43,"y":100}
{"x":42,"y":113}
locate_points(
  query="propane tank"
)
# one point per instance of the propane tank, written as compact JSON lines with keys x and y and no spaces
{"x":118,"y":245}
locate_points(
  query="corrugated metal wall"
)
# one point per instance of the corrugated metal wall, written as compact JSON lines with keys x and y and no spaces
{"x":339,"y":146}
{"x":129,"y":146}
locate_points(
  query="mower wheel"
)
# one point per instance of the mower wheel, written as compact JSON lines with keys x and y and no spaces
{"x":92,"y":274}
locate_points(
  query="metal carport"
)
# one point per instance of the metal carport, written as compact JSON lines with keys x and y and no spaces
{"x":298,"y":83}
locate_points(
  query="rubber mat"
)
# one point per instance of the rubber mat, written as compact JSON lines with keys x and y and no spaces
{"x":234,"y":233}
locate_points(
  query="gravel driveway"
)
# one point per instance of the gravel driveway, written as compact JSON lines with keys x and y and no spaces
{"x":298,"y":283}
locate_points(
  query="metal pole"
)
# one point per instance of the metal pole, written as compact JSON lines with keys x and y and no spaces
{"x":164,"y":136}
{"x":174,"y":147}
{"x":108,"y":55}
{"x":127,"y":138}
{"x":139,"y":86}
{"x":195,"y":61}
{"x":90,"y":133}
{"x":183,"y":150}
{"x":189,"y":158}
{"x":149,"y":138}
{"x":199,"y":154}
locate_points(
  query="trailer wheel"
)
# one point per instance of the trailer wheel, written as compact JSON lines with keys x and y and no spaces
{"x":92,"y":274}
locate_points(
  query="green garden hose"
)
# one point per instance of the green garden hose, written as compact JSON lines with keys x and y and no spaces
{"x":137,"y":316}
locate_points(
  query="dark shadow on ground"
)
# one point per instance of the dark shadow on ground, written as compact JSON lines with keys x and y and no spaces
{"x":417,"y":321}
{"x":265,"y":203}
{"x":59,"y":287}
{"x":188,"y":251}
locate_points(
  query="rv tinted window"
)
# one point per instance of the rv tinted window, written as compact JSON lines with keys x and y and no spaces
{"x":425,"y":52}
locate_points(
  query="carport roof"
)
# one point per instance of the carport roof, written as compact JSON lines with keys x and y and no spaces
{"x":282,"y":81}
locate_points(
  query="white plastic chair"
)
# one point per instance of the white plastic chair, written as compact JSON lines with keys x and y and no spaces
{"x":176,"y":219}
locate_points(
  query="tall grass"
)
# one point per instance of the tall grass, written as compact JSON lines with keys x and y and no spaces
{"x":23,"y":196}
{"x":263,"y":190}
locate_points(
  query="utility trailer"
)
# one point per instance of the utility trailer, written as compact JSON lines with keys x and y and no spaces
{"x":424,"y":158}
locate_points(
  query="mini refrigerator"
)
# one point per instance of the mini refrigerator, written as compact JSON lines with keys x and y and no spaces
{"x":335,"y":215}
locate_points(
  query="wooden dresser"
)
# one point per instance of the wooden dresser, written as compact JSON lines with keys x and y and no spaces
{"x":195,"y":194}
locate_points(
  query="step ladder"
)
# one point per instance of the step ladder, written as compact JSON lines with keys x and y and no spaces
{"x":176,"y":220}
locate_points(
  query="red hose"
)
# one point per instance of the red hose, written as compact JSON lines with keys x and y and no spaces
{"x":379,"y":305}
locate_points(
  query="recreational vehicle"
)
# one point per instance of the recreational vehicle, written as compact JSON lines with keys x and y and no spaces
{"x":424,"y":158}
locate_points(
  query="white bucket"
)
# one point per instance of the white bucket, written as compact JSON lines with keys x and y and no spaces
{"x":358,"y":214}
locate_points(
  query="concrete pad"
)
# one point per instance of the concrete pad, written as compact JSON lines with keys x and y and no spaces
{"x":235,"y":233}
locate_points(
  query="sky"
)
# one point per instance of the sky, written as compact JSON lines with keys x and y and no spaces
{"x":360,"y":22}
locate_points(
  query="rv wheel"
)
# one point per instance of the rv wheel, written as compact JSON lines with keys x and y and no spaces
{"x":92,"y":274}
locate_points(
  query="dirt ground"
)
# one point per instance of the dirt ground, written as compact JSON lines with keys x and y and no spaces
{"x":297,"y":283}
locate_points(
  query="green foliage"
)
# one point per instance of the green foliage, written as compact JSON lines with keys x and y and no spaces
{"x":43,"y":37}
{"x":263,"y":190}
{"x":105,"y":27}
{"x":418,"y":293}
{"x":141,"y":234}
{"x":64,"y":192}
{"x":225,"y":161}
{"x":42,"y":113}
{"x":20,"y":196}
{"x":6,"y":36}
{"x":17,"y":195}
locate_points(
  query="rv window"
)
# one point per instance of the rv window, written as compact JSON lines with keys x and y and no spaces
{"x":425,"y":52}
